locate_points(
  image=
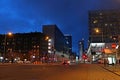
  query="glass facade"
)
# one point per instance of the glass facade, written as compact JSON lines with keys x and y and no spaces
{"x":58,"y":38}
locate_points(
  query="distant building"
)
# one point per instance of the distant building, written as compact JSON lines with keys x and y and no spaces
{"x":81,"y":48}
{"x":68,"y":39}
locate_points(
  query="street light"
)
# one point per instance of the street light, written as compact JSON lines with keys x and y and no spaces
{"x":97,"y":30}
{"x":5,"y":42}
{"x":98,"y":33}
{"x":114,"y":46}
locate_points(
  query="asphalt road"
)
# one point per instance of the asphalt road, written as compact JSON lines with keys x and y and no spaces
{"x":55,"y":72}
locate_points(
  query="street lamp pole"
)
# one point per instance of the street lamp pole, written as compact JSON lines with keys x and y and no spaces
{"x":4,"y":55}
{"x":102,"y":36}
{"x":5,"y":42}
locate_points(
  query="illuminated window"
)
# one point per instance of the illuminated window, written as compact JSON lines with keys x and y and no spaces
{"x":106,"y":24}
{"x":49,"y":51}
{"x":49,"y":47}
{"x":95,"y":21}
{"x":49,"y":40}
{"x":100,"y":14}
{"x":37,"y":46}
{"x":67,"y":42}
{"x":110,"y":24}
{"x":49,"y":44}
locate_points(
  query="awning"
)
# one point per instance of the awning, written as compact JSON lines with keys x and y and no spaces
{"x":109,"y":51}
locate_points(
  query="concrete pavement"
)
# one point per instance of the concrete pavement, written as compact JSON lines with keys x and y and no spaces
{"x":112,"y":68}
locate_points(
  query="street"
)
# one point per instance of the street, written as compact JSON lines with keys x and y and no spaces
{"x":55,"y":72}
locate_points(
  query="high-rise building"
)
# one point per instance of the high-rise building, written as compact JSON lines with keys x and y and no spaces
{"x":104,"y":29}
{"x":104,"y":25}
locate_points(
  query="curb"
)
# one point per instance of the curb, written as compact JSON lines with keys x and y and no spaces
{"x":110,"y":70}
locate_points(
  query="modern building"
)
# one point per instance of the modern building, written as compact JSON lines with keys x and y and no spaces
{"x":61,"y":44}
{"x":104,"y":29}
{"x":57,"y":37}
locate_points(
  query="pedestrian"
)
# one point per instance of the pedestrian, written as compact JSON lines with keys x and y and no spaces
{"x":106,"y":62}
{"x":119,"y":61}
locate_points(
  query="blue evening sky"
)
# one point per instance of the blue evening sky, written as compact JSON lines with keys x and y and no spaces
{"x":71,"y":16}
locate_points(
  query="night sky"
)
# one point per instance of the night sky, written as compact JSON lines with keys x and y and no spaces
{"x":71,"y":16}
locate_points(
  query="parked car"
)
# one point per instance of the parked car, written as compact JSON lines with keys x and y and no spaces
{"x":26,"y":61}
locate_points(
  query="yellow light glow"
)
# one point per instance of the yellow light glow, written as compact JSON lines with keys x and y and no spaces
{"x":47,"y":38}
{"x":9,"y":33}
{"x":95,"y":21}
{"x":97,"y":30}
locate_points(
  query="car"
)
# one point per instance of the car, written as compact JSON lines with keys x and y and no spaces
{"x":26,"y":61}
{"x":66,"y":62}
{"x":72,"y":62}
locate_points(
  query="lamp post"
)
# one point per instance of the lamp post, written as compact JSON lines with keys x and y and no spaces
{"x":5,"y":43}
{"x":97,"y":30}
{"x":114,"y":46}
{"x":100,"y":31}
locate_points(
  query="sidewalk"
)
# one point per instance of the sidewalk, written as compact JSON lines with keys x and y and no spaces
{"x":112,"y":68}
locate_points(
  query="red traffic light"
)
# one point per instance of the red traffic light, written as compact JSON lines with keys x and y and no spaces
{"x":84,"y":56}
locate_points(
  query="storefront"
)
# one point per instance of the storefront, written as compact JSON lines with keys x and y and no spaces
{"x":110,"y":55}
{"x":111,"y":59}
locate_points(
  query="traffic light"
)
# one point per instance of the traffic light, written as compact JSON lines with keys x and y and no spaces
{"x":84,"y":56}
